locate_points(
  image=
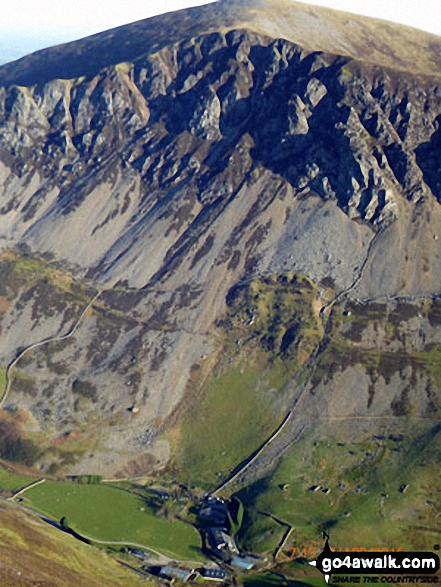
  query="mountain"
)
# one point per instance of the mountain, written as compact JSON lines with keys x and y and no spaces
{"x":219,"y":229}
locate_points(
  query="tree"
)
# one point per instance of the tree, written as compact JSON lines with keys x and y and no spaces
{"x":235,"y":514}
{"x":64,"y":523}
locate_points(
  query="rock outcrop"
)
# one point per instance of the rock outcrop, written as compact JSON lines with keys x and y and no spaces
{"x":193,"y":152}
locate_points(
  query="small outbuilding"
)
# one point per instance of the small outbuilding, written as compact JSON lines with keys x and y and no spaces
{"x":170,"y":573}
{"x":220,"y":540}
{"x":241,"y":562}
{"x":214,"y":574}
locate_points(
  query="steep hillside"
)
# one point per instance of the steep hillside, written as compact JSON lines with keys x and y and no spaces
{"x":220,"y":220}
{"x":34,"y":553}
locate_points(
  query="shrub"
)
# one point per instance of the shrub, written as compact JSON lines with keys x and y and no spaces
{"x":85,"y":389}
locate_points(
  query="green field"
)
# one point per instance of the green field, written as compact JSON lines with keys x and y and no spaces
{"x":265,"y":580}
{"x":35,"y":553}
{"x":108,"y":514}
{"x":12,"y":482}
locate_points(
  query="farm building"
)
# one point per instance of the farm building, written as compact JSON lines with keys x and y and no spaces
{"x":214,"y":511}
{"x":171,"y":573}
{"x":241,"y":562}
{"x":219,"y":540}
{"x":213,"y":574}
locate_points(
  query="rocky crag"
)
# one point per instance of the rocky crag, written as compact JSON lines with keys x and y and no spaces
{"x":163,"y":164}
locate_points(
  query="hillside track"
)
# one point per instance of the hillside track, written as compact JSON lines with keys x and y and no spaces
{"x":56,"y":338}
{"x":294,"y":425}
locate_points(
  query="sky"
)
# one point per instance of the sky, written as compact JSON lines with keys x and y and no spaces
{"x":27,"y":25}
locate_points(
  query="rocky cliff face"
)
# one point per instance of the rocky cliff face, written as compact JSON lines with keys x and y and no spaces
{"x":172,"y":167}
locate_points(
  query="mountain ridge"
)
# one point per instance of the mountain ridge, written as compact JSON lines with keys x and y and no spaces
{"x":313,"y":28}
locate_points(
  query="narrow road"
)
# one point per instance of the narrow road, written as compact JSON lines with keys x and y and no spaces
{"x":45,"y":341}
{"x":162,"y":559}
{"x":159,"y":556}
{"x":34,"y":484}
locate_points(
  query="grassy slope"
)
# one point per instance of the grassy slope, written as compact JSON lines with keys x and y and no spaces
{"x":270,"y":330}
{"x":11,"y":481}
{"x":365,"y":39}
{"x":360,"y":462}
{"x":109,"y":514}
{"x":21,"y":271}
{"x":231,"y":420}
{"x":357,"y":513}
{"x":364,"y":463}
{"x":34,"y":553}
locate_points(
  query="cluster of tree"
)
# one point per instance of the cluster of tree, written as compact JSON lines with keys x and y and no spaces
{"x":89,"y":479}
{"x":15,"y":448}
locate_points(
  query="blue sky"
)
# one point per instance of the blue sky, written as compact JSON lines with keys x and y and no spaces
{"x":27,"y":25}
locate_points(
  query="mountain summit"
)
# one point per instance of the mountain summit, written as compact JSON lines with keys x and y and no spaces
{"x":313,"y":28}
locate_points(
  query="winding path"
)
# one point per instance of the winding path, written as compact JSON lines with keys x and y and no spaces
{"x":45,"y":341}
{"x":33,"y":484}
{"x":309,"y":364}
{"x":161,"y":557}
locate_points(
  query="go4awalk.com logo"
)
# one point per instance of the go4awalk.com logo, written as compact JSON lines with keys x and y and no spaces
{"x":394,"y":567}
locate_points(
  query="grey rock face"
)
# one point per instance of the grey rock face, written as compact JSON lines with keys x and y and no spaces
{"x":170,"y":139}
{"x":203,"y":163}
